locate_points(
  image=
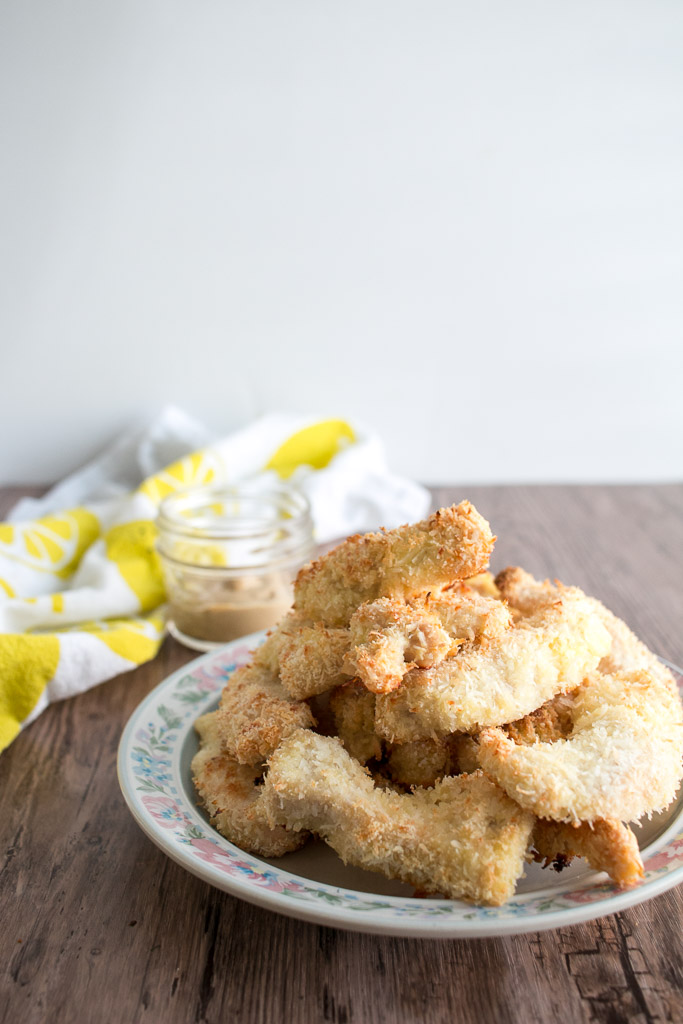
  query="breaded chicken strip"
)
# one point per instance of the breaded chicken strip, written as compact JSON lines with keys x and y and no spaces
{"x":267,"y":654}
{"x":255,"y":713}
{"x":353,"y":708}
{"x":485,"y":584}
{"x":464,"y":752}
{"x":552,"y":721}
{"x":307,"y":656}
{"x":420,"y":763}
{"x":451,"y":544}
{"x":312,"y":660}
{"x":607,"y":846}
{"x":627,"y":653}
{"x":228,"y":792}
{"x":467,"y":614}
{"x":622,"y":759}
{"x":521,"y":591}
{"x":389,"y":637}
{"x":501,"y":679}
{"x":463,"y":838}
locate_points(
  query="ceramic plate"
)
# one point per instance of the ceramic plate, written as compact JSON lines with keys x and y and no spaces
{"x":157,"y":746}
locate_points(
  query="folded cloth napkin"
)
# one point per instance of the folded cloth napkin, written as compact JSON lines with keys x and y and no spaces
{"x":81,"y":590}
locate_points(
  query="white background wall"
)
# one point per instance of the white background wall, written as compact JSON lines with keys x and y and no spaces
{"x":461,"y":222}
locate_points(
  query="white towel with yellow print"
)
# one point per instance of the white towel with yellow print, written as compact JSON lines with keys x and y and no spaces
{"x":81,"y":592}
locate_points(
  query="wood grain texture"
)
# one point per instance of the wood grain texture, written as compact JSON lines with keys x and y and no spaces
{"x":98,"y":925}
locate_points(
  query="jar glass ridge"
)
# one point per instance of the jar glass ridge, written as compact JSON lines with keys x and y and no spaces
{"x":229,"y":555}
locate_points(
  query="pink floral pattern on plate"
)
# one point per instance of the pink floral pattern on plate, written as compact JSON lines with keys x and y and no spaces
{"x":153,"y":783}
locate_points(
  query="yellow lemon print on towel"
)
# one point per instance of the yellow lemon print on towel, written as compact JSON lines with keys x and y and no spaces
{"x":27,"y":664}
{"x":314,"y":446}
{"x":136,"y":639}
{"x":52,"y":544}
{"x":6,"y":533}
{"x":192,"y":471}
{"x":132,"y":547}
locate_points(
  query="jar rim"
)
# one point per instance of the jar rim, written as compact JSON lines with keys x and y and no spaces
{"x":189,"y":511}
{"x":255,"y":525}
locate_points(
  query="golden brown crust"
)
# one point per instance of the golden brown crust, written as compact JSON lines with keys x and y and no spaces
{"x":521,"y":591}
{"x":622,"y":759}
{"x":451,"y":544}
{"x":607,"y":845}
{"x":229,"y":793}
{"x":389,"y":637}
{"x":312,"y":660}
{"x":576,"y":725}
{"x":499,"y":679}
{"x":307,"y":656}
{"x":552,"y":721}
{"x":464,"y":838}
{"x":255,"y":713}
{"x":469,"y":615}
{"x":421,"y":763}
{"x":353,"y":708}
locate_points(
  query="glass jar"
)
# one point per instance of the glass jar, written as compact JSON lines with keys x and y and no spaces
{"x":229,"y":555}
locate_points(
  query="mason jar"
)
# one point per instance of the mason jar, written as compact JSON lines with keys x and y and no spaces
{"x":229,"y":556}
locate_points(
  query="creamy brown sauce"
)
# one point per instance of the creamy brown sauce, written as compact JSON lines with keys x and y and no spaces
{"x":232,"y":608}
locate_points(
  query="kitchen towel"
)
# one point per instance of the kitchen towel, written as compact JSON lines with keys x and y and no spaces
{"x":81,"y":590}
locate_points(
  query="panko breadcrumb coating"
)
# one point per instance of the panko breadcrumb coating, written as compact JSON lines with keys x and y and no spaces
{"x":390,"y":637}
{"x":311,"y":660}
{"x":500,"y":679}
{"x":229,"y":792}
{"x":607,"y":846}
{"x":521,"y":591}
{"x":467,"y":614}
{"x":267,"y":654}
{"x":526,"y":720}
{"x":463,"y":839}
{"x":622,"y":759}
{"x":306,"y":656}
{"x":353,"y":708}
{"x":628,"y":653}
{"x":450,"y":545}
{"x":421,"y":763}
{"x":485,"y":584}
{"x":255,"y":713}
{"x":464,"y":752}
{"x":552,"y":721}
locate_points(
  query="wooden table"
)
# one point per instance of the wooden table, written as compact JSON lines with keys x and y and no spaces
{"x":98,"y":925}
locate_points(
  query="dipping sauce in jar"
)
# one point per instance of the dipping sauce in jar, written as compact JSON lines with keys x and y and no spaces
{"x":229,"y":555}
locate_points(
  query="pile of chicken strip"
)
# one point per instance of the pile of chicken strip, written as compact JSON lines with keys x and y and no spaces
{"x":440,"y":725}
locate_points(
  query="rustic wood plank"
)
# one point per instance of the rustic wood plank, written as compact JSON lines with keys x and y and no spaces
{"x":100,"y":926}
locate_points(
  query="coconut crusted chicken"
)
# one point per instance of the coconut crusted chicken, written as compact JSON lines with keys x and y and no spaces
{"x":440,"y":726}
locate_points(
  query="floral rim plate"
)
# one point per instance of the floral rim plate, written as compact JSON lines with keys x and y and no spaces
{"x":312,"y":884}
